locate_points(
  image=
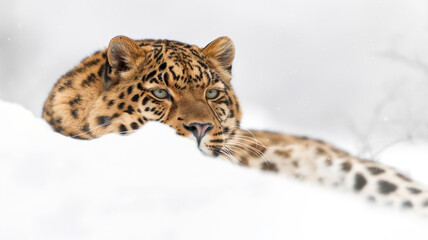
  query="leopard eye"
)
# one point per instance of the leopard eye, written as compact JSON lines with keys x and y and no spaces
{"x":160,"y":93}
{"x":212,"y":93}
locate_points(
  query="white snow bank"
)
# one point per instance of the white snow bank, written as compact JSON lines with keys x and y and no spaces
{"x":156,"y":185}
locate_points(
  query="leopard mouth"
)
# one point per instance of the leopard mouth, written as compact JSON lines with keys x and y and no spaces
{"x":208,"y":149}
{"x":205,"y":150}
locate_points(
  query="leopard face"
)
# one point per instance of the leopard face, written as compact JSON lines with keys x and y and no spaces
{"x":131,"y":82}
{"x":181,"y":85}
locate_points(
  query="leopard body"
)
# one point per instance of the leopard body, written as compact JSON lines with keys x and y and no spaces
{"x":120,"y":88}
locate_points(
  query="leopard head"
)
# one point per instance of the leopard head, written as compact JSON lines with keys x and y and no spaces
{"x":181,"y":85}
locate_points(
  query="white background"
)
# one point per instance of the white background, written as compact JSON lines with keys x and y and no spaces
{"x":353,"y":70}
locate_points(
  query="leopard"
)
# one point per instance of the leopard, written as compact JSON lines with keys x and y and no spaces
{"x":132,"y":82}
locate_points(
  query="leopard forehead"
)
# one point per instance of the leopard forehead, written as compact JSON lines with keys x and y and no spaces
{"x":179,"y":67}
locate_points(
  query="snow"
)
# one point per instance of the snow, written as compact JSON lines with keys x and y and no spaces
{"x":154,"y":184}
{"x":352,"y":73}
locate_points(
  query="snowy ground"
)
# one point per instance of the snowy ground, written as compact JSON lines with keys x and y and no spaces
{"x":156,"y":185}
{"x":353,"y":73}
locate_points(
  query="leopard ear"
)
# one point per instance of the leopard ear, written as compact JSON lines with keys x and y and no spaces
{"x":222,"y":51}
{"x":123,"y":53}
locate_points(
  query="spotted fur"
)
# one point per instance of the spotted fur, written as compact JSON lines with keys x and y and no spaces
{"x":114,"y":90}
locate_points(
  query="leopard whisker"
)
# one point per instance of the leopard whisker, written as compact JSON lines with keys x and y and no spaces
{"x":243,"y":148}
{"x":231,"y":154}
{"x":240,"y":153}
{"x":224,"y":152}
{"x":239,"y":135}
{"x":253,"y":149}
{"x":256,"y":142}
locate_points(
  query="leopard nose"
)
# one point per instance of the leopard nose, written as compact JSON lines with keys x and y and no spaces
{"x":198,"y":129}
